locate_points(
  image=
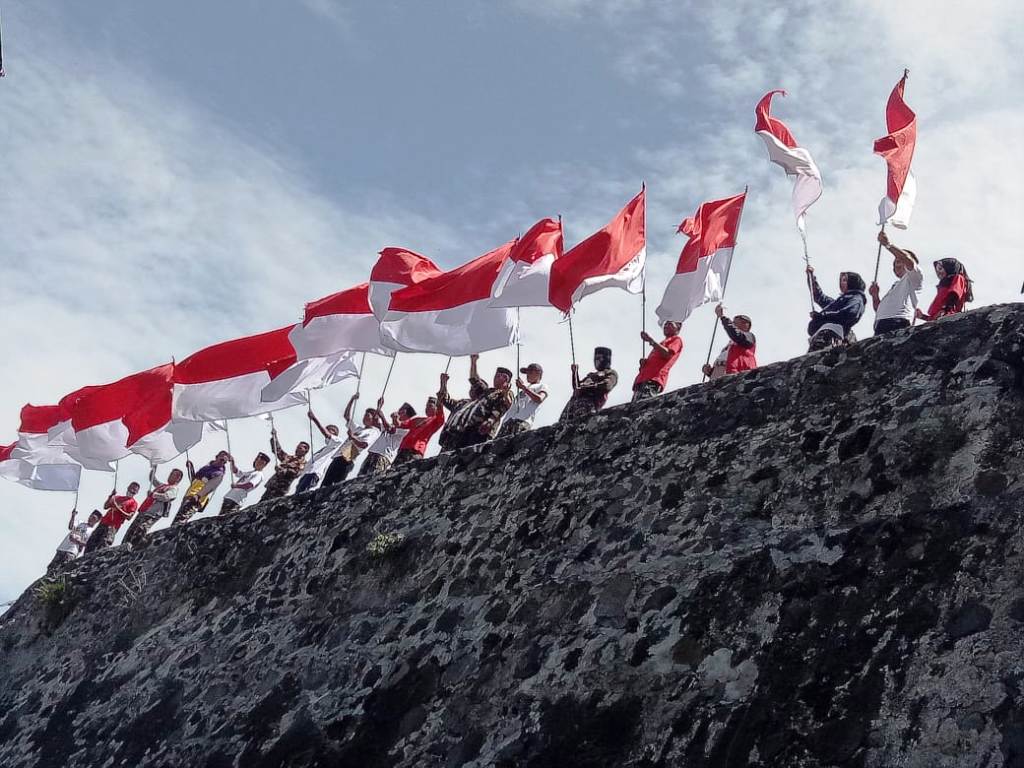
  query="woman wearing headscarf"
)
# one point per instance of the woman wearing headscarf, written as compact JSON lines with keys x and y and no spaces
{"x":833,"y":324}
{"x":954,"y":290}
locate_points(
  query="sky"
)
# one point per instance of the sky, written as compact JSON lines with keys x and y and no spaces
{"x":175,"y":175}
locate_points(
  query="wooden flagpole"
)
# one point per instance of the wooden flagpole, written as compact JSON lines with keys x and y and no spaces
{"x":725,"y":281}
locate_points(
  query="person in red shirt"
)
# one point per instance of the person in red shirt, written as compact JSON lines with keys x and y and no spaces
{"x":954,"y":290}
{"x":414,"y":444}
{"x":654,"y":368}
{"x":740,"y":354}
{"x":119,"y":509}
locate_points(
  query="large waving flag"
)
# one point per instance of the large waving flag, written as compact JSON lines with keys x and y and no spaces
{"x":314,"y":373}
{"x":396,"y":268}
{"x":525,"y":278}
{"x":226,"y":381}
{"x":341,"y":322}
{"x":450,"y":313}
{"x":62,"y":476}
{"x":783,"y":150}
{"x":898,"y":150}
{"x":612,"y":257}
{"x":132,"y":415}
{"x":35,"y":446}
{"x":704,"y":263}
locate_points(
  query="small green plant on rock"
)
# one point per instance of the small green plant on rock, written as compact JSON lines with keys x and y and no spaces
{"x":56,"y":599}
{"x":384,"y":544}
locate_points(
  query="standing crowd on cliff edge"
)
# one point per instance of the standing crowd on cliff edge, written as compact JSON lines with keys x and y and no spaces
{"x":504,"y":407}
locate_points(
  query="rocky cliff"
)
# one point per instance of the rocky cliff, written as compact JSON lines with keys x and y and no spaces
{"x":818,"y":563}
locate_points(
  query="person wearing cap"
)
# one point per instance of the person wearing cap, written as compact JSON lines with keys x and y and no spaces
{"x":832,"y":326}
{"x":414,"y":444}
{"x":654,"y":369}
{"x":483,"y":416}
{"x":954,"y":290}
{"x":382,"y":452}
{"x":740,"y":354}
{"x":895,"y":310}
{"x":590,"y":393}
{"x":459,"y":409}
{"x":532,"y":392}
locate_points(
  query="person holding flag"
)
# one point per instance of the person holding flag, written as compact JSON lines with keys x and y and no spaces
{"x":954,"y":290}
{"x":73,"y":544}
{"x":157,"y":504}
{"x":590,"y":393}
{"x":895,"y":310}
{"x":654,"y":369}
{"x":202,"y":485}
{"x":360,"y":437}
{"x":740,"y":354}
{"x":119,"y":509}
{"x":289,"y":467}
{"x":832,"y":326}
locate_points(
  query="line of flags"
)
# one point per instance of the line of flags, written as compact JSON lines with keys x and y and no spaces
{"x":410,"y":305}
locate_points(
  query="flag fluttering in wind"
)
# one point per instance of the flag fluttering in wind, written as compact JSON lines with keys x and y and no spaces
{"x":612,"y":257}
{"x":341,"y":322}
{"x":314,"y":373}
{"x":132,"y":415}
{"x":226,"y":381}
{"x":783,"y":150}
{"x":898,"y":150}
{"x":52,"y":467}
{"x":396,"y":268}
{"x":62,"y":476}
{"x":704,"y":262}
{"x":451,"y":313}
{"x":526,"y":276}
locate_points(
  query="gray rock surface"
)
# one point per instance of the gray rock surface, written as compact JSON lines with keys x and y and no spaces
{"x":818,"y":563}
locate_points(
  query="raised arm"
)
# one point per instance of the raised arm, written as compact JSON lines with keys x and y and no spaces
{"x":275,"y":446}
{"x":523,"y":387}
{"x":744,"y":338}
{"x":317,"y":424}
{"x":820,"y":298}
{"x":660,"y":348}
{"x":350,"y":405}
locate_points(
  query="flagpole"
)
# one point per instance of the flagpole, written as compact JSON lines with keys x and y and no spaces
{"x":77,"y":489}
{"x":448,"y":364}
{"x":309,"y":407}
{"x":273,"y":438}
{"x":227,"y":436}
{"x":572,"y":340}
{"x":117,"y":468}
{"x":519,"y":343}
{"x":388,"y":379}
{"x":807,"y":262}
{"x":359,"y":380}
{"x":878,"y":259}
{"x":725,"y":281}
{"x":643,"y":283}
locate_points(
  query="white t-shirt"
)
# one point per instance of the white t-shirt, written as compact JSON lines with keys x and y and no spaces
{"x":238,"y":495}
{"x":388,"y":443}
{"x":366,"y":435}
{"x":523,"y":408}
{"x":900,"y":300}
{"x":318,"y":461}
{"x":82,"y":531}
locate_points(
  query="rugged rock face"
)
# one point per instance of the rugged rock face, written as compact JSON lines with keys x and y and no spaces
{"x":818,"y":563}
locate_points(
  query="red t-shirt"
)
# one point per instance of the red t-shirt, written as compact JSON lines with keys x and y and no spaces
{"x":657,"y":366}
{"x":420,"y":434}
{"x":115,"y":519}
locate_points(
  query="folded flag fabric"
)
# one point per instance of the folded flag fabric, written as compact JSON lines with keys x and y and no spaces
{"x":396,"y":268}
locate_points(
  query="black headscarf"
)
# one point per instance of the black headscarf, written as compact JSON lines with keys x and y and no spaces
{"x":854,"y":282}
{"x":952,"y":268}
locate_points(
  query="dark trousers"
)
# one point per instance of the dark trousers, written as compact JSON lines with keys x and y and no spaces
{"x":337,"y":471}
{"x":513,"y":427}
{"x":891,"y":324}
{"x":406,"y":455}
{"x":307,"y":482}
{"x":101,"y":538}
{"x":374,"y":464}
{"x":228,"y":506}
{"x":139,"y":528}
{"x":645,"y":390}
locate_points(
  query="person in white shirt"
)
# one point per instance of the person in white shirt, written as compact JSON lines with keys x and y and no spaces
{"x":381,"y":454}
{"x":895,"y":310}
{"x":243,"y":483}
{"x":360,"y":437}
{"x":157,"y":504}
{"x":519,"y":417}
{"x":74,"y":542}
{"x":320,"y":459}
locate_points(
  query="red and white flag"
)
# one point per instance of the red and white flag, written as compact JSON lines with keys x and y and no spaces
{"x":396,"y":268}
{"x":898,"y":150}
{"x":132,"y":415}
{"x":525,"y":278}
{"x":704,"y":263}
{"x":795,"y":160}
{"x":341,"y":322}
{"x":54,"y":468}
{"x":315,"y":373}
{"x":226,"y":381}
{"x":42,"y":477}
{"x":612,"y":257}
{"x":450,"y":313}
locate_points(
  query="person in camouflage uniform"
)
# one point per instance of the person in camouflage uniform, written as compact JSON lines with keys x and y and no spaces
{"x":480,"y":420}
{"x":459,"y":409}
{"x":289,"y":467}
{"x":590,"y":393}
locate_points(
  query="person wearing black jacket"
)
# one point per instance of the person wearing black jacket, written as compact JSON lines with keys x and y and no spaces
{"x":833,"y":324}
